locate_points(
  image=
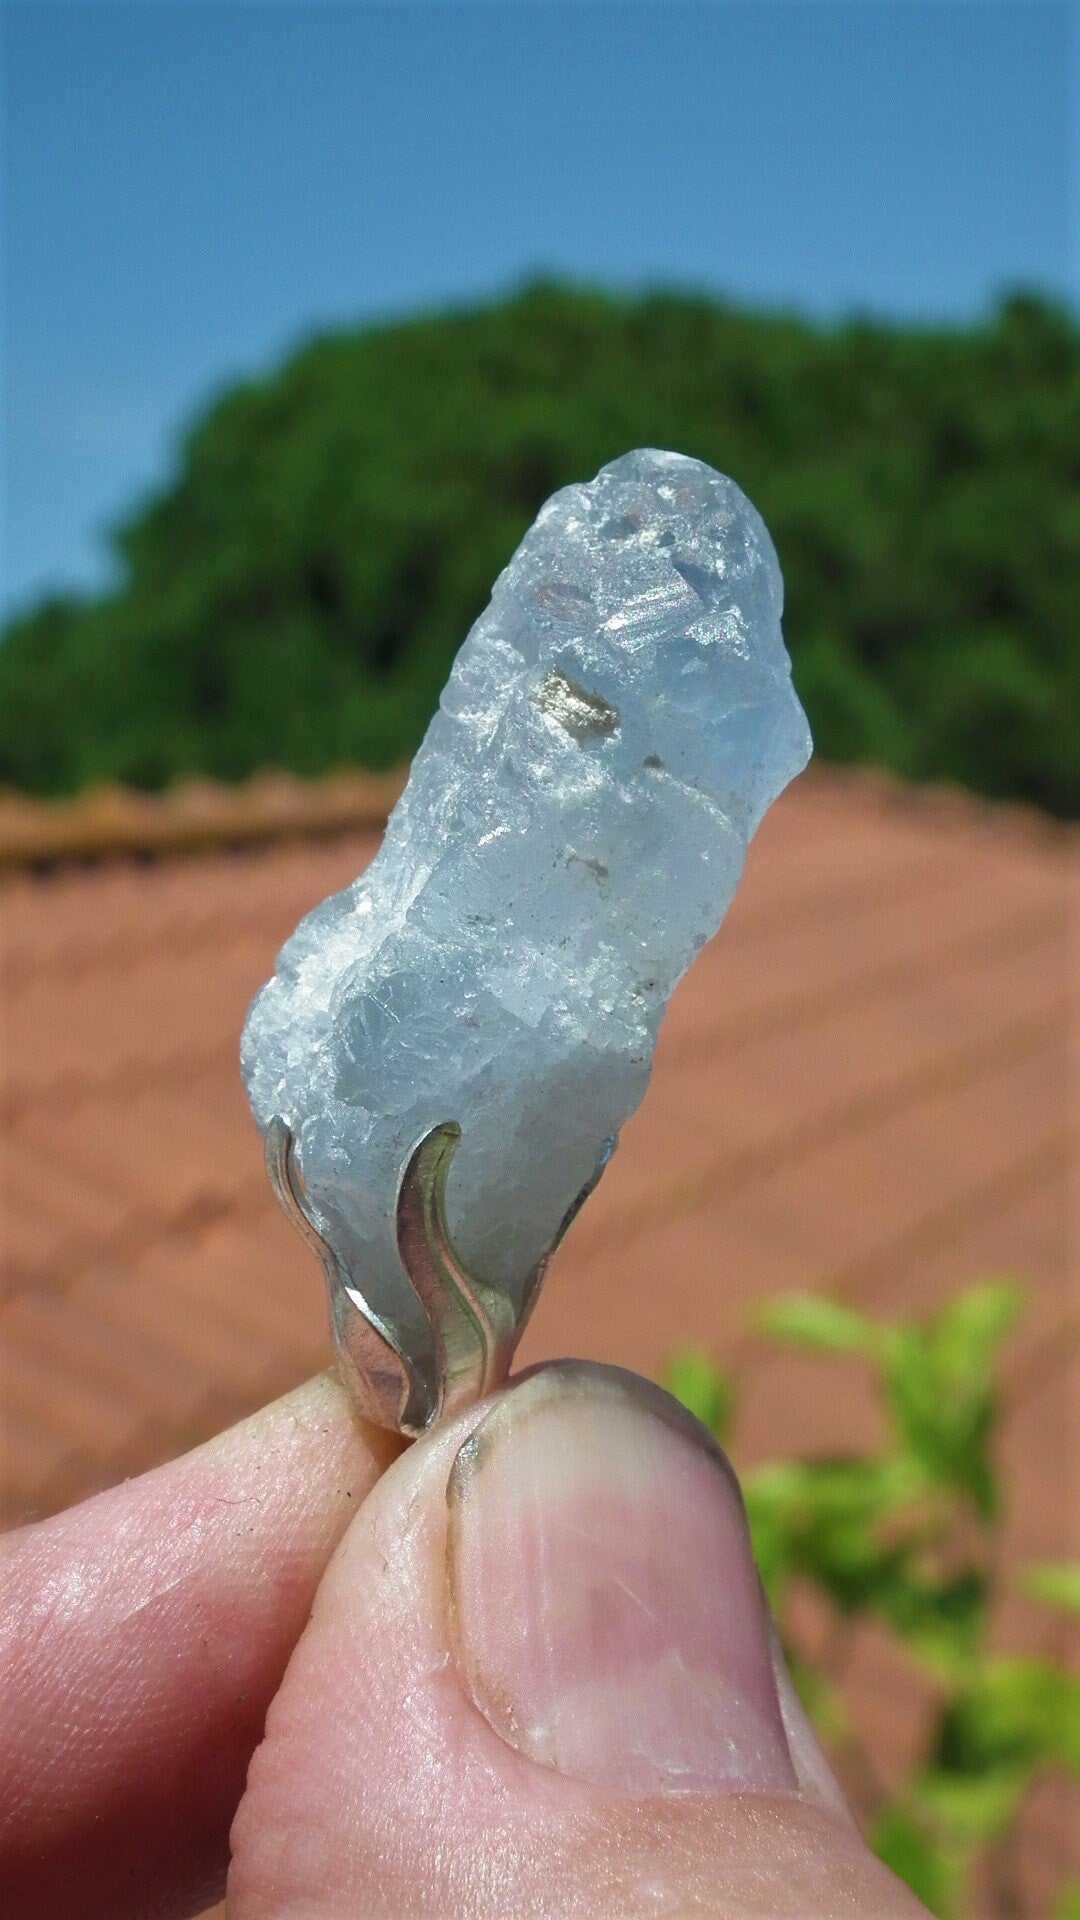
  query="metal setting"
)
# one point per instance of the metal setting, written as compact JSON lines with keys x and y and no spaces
{"x":475,"y":1327}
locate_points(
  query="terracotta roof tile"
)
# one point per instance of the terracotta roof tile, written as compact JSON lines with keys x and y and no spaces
{"x":860,"y":1085}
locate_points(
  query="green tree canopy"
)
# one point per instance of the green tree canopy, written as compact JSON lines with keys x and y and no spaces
{"x":296,"y":594}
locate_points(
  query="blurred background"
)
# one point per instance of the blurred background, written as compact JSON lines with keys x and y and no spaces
{"x":308,"y":307}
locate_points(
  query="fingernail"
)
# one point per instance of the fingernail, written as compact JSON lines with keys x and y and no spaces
{"x":606,"y":1615}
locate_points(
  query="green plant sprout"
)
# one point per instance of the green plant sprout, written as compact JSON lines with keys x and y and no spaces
{"x":905,"y":1538}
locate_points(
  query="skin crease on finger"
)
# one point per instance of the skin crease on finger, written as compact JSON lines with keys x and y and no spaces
{"x":142,"y":1637}
{"x":381,"y":1788}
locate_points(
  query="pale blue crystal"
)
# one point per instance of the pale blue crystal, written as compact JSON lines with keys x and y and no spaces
{"x":573,"y":830}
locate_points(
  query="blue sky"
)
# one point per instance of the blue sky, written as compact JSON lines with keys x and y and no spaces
{"x":193,"y":187}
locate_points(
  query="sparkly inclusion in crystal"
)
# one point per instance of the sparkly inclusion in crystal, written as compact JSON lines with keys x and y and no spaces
{"x":574,"y":827}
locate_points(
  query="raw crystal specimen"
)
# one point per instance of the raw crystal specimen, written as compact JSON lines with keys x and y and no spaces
{"x":574,"y":827}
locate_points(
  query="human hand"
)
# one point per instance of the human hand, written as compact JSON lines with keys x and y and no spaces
{"x":538,"y":1679}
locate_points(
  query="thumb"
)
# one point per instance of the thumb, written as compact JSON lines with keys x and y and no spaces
{"x":540,"y":1679}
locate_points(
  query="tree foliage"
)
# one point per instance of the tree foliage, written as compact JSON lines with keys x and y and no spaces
{"x":296,"y":594}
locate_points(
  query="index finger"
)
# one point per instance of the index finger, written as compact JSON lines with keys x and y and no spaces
{"x":143,"y":1636}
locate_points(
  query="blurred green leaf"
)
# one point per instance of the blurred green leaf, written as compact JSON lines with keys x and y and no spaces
{"x":814,"y":1322}
{"x":1012,"y":1712}
{"x":703,"y":1388}
{"x":966,"y":1336}
{"x":907,"y":1538}
{"x":942,"y":1619}
{"x":1055,"y":1586}
{"x":972,"y":1808}
{"x":934,"y":1871}
{"x":941,"y":1389}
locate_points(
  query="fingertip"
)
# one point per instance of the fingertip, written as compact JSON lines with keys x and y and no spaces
{"x":496,"y":1708}
{"x":607,"y":1618}
{"x":144,"y":1634}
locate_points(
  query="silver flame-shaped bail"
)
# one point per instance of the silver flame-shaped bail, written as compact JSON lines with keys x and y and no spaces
{"x":475,"y":1327}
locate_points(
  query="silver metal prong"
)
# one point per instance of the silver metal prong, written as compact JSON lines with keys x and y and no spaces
{"x":384,"y":1385}
{"x":474,"y":1325}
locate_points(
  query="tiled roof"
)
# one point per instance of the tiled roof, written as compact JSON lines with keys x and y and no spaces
{"x":861,"y":1085}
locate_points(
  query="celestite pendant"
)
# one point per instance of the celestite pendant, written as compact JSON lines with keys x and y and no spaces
{"x":443,"y":1059}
